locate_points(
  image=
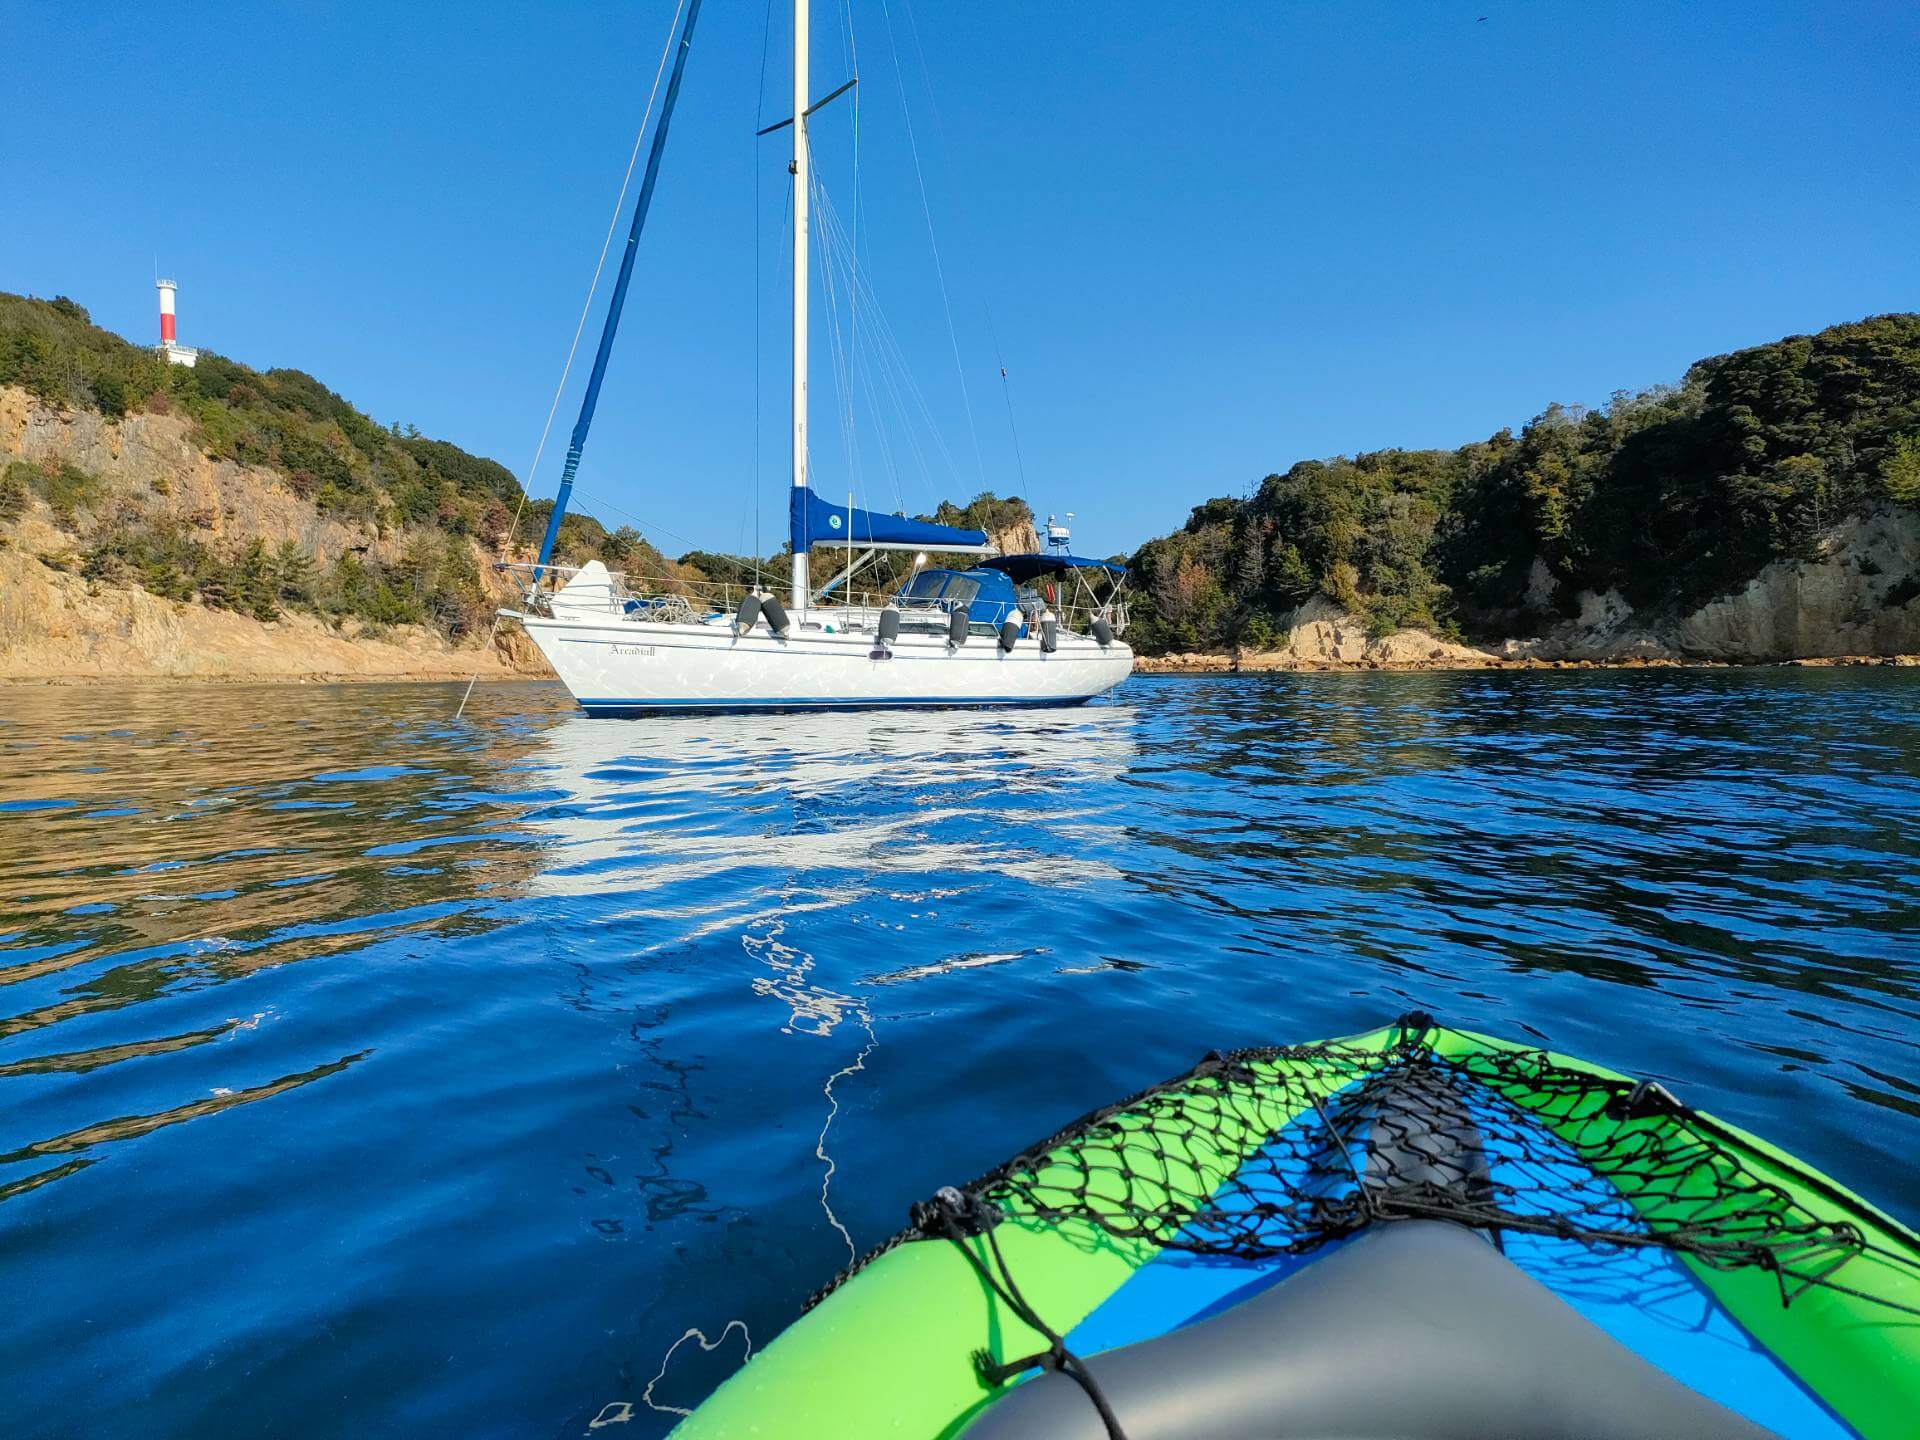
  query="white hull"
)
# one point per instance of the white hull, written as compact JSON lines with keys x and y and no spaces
{"x":628,"y":667}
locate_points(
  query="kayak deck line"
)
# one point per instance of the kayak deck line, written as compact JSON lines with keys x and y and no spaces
{"x":1696,"y":1264}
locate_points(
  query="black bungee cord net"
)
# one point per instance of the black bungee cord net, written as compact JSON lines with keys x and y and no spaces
{"x":1261,"y":1153}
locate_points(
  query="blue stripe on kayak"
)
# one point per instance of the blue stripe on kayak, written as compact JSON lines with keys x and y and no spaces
{"x":1644,"y":1297}
{"x":611,"y":707}
{"x":1177,"y":1288}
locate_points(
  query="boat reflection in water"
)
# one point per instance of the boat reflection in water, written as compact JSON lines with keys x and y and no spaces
{"x":874,"y":790}
{"x":796,"y":832}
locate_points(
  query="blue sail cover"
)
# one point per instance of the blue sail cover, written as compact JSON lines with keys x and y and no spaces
{"x":815,"y":522}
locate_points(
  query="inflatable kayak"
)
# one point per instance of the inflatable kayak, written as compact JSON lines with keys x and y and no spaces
{"x":1417,"y":1232}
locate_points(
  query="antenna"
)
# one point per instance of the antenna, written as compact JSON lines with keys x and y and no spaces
{"x":1006,"y":394}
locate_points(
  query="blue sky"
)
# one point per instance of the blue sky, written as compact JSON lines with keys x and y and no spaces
{"x":1209,"y":240}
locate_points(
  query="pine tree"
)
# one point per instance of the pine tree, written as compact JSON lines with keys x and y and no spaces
{"x":254,"y":582}
{"x":214,"y":583}
{"x":1900,"y":472}
{"x":293,"y":573}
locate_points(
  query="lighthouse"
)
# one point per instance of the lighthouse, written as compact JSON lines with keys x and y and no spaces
{"x":176,"y":354}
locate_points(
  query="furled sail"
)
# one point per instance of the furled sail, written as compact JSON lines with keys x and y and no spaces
{"x":815,"y":522}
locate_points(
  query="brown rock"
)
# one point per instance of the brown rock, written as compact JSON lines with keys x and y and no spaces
{"x":56,"y":625}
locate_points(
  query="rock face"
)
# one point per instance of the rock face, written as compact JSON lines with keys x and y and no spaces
{"x":1605,"y":631}
{"x":1322,"y":636}
{"x":58,"y":625}
{"x":1015,"y":539}
{"x":151,"y":460}
{"x":1859,"y":596}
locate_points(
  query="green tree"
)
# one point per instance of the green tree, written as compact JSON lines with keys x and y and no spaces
{"x":255,"y":584}
{"x":349,"y":587}
{"x":16,"y":489}
{"x":1900,"y":471}
{"x":293,"y":573}
{"x":68,"y":490}
{"x":1671,"y":495}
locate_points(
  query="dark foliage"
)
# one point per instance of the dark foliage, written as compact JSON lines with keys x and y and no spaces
{"x":1671,"y":496}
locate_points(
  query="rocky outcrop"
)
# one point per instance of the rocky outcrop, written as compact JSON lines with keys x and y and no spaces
{"x":1015,"y":539}
{"x":1857,"y":597}
{"x":55,"y":624}
{"x":150,"y":463}
{"x":1605,"y":629}
{"x":1322,"y":636}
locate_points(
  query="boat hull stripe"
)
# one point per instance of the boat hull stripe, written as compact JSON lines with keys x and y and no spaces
{"x":599,"y":706}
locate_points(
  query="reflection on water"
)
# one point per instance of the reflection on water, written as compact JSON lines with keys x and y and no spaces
{"x":852,"y":812}
{"x":362,"y":1072}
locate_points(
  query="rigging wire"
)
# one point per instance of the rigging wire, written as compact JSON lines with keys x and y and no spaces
{"x":853,"y":236}
{"x":1006,"y":393}
{"x":759,"y":121}
{"x":926,"y":75}
{"x":895,"y":370}
{"x":933,"y":241}
{"x":586,"y":308}
{"x":940,"y":133}
{"x":859,"y":370}
{"x":840,"y":354}
{"x":600,"y":502}
{"x":863,"y":369}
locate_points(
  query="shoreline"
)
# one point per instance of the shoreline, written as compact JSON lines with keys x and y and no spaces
{"x":1146,"y":665}
{"x":1283,"y":664}
{"x":415,"y":677}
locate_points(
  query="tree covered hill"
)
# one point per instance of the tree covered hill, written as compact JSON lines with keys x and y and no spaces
{"x":426,"y":514}
{"x":439,"y":508}
{"x":1671,"y":496}
{"x":345,"y":462}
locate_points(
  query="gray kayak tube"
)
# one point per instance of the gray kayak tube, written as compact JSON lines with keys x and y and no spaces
{"x":1418,"y":1330}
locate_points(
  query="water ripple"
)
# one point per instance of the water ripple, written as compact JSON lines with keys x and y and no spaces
{"x":366,"y":1074}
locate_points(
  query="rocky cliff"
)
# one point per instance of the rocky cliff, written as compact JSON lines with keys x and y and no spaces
{"x":1859,"y":596}
{"x":1727,"y":515}
{"x":1856,"y":596}
{"x":56,"y":626}
{"x":145,"y":473}
{"x":1019,"y":538}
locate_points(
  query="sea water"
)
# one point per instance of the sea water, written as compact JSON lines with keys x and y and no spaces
{"x":369,"y":1072}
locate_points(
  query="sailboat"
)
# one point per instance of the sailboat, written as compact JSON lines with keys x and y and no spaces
{"x":1041,"y":628}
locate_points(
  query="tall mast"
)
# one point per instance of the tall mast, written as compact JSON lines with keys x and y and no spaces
{"x":801,"y":193}
{"x":619,"y":302}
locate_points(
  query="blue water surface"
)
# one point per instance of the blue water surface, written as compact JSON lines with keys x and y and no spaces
{"x":365,"y":1072}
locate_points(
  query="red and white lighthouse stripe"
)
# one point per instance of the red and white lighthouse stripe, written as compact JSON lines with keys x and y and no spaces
{"x":166,"y":289}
